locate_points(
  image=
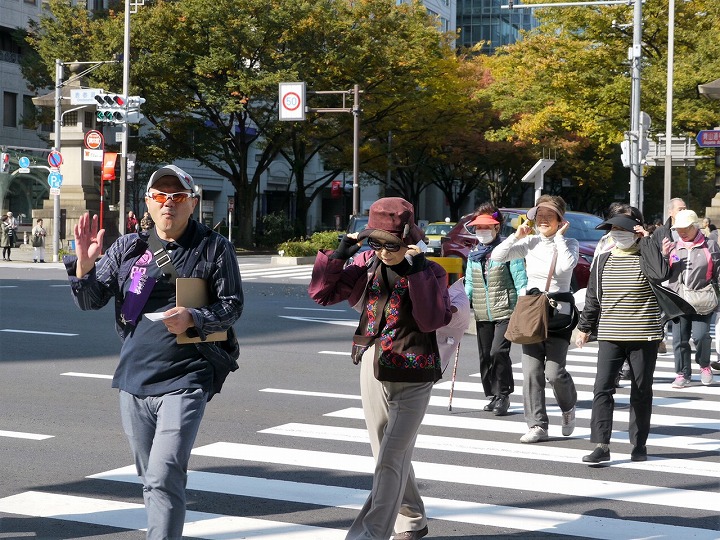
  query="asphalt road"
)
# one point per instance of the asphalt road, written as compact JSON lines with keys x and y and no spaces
{"x":284,"y":445}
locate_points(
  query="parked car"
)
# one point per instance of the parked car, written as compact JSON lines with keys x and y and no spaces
{"x":459,"y":241}
{"x":435,"y":232}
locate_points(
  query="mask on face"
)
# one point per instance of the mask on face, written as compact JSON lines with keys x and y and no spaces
{"x":623,"y":239}
{"x":485,"y":236}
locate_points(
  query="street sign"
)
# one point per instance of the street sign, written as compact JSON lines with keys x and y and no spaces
{"x":84,"y":96}
{"x":292,"y":101}
{"x":55,"y":159}
{"x":55,"y":179}
{"x":709,"y":138}
{"x":231,"y":203}
{"x":54,"y":191}
{"x":92,"y":155}
{"x":94,"y":140}
{"x":24,"y":162}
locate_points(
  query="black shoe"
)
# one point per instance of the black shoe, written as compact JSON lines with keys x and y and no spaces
{"x":502,"y":405}
{"x":491,"y":406}
{"x":411,"y":535}
{"x":639,"y":453}
{"x":42,"y":261}
{"x":597,"y":456}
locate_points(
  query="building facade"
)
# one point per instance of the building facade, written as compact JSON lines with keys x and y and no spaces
{"x":484,"y":21}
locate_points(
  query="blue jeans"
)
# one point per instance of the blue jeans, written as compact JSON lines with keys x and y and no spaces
{"x":162,"y":431}
{"x":697,"y":327}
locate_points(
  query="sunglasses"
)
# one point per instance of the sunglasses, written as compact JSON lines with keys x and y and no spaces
{"x":179,"y":197}
{"x":377,"y":246}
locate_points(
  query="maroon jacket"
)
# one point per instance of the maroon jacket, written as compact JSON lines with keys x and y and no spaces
{"x":417,"y":305}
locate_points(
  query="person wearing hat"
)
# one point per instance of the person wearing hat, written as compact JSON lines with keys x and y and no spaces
{"x":622,"y":310}
{"x":694,"y":267}
{"x":164,"y":385}
{"x":402,"y":299}
{"x":5,"y":237}
{"x":545,"y":361}
{"x":493,"y":288}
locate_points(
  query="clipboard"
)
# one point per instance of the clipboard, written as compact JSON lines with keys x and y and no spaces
{"x":193,"y":293}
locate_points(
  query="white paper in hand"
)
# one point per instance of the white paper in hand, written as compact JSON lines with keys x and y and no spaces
{"x":158,"y":316}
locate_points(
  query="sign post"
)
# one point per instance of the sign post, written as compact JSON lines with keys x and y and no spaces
{"x":709,"y":138}
{"x":231,"y":209}
{"x":292,"y":101}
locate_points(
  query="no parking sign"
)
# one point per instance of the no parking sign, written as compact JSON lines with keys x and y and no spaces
{"x":292,"y":101}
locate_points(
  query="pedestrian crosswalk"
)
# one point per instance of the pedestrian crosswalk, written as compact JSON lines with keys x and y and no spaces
{"x":293,"y":274}
{"x":462,"y":459}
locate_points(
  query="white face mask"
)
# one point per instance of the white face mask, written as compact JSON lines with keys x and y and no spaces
{"x":485,"y":236}
{"x":623,"y":239}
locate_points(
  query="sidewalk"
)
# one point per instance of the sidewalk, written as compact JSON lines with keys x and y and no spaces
{"x":22,"y":257}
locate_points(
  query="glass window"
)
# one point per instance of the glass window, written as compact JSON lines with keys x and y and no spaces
{"x":9,"y":109}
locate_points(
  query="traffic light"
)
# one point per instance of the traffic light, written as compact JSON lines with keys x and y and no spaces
{"x":133,"y":113}
{"x":111,"y":108}
{"x":4,"y":162}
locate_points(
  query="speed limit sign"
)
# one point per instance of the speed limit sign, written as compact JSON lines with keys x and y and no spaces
{"x":292,"y":101}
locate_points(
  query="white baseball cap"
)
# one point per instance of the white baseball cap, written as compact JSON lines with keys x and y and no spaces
{"x":685,"y":218}
{"x":172,"y":170}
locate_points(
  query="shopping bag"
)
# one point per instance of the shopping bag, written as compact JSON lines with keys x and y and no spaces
{"x":529,"y":321}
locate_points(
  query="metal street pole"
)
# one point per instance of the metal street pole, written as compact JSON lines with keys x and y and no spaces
{"x":356,"y":149}
{"x":124,"y":126}
{"x":58,"y":128}
{"x":635,"y":56}
{"x":667,"y":184}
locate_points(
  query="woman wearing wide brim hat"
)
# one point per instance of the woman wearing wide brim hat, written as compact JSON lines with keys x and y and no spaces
{"x":402,"y":298}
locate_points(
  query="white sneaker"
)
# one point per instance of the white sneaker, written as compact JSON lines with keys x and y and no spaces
{"x":536,"y":434}
{"x":706,"y":375}
{"x":680,"y":381}
{"x":568,"y":422}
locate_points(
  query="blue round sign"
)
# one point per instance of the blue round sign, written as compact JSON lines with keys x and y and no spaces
{"x":55,"y":179}
{"x":24,"y":162}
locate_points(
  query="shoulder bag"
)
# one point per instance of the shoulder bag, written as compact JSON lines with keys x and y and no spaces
{"x":530,"y":318}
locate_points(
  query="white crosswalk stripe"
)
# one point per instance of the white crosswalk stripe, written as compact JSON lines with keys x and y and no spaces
{"x":443,"y":436}
{"x":292,"y":274}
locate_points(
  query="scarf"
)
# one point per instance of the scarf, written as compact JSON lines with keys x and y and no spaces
{"x":482,"y":251}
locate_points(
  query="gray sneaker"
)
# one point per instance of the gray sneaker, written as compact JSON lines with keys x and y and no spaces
{"x":706,"y":375}
{"x":568,"y":422}
{"x":680,"y":381}
{"x":536,"y":434}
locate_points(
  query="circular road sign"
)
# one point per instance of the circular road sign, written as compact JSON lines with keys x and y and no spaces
{"x":24,"y":162}
{"x":291,"y":101}
{"x":55,"y":159}
{"x":55,"y":179}
{"x":94,"y":140}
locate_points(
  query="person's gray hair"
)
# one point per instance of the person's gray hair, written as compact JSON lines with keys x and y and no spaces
{"x":671,"y":203}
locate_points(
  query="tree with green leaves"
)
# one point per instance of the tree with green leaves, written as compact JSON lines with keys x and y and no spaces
{"x":566,"y":86}
{"x":209,"y":71}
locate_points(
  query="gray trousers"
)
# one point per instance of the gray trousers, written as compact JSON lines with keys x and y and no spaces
{"x":546,"y":361}
{"x":162,"y":431}
{"x":697,"y":327}
{"x":393,"y":414}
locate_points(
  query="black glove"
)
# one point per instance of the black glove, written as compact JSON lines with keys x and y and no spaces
{"x":418,"y":264}
{"x":347,"y":248}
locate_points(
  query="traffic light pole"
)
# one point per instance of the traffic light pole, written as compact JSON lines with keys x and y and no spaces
{"x":58,"y":128}
{"x":124,"y":126}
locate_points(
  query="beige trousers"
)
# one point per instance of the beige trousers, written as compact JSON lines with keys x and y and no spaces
{"x":393,"y":414}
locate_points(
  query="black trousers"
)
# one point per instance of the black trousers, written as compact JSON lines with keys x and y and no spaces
{"x":495,"y":364}
{"x":641,"y":356}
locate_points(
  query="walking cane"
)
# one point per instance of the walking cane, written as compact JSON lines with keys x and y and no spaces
{"x":452,"y":382}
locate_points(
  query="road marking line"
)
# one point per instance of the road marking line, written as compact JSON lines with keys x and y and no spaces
{"x":12,"y":330}
{"x":316,"y":309}
{"x":488,"y":515}
{"x":337,"y":353}
{"x":87,"y":375}
{"x":125,"y":515}
{"x":22,"y":435}
{"x":476,"y":476}
{"x":339,"y":322}
{"x":504,"y":449}
{"x":698,"y":444}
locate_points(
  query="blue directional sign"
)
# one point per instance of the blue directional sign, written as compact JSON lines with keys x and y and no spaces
{"x":24,"y":162}
{"x":55,"y":179}
{"x":709,"y":138}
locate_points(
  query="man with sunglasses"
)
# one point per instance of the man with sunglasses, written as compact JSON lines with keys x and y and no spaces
{"x":403,"y":299}
{"x":164,"y":385}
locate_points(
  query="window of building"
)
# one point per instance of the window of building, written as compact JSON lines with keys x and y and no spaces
{"x":9,"y":109}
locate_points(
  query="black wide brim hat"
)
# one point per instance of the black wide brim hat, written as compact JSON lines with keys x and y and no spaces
{"x":627,"y":223}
